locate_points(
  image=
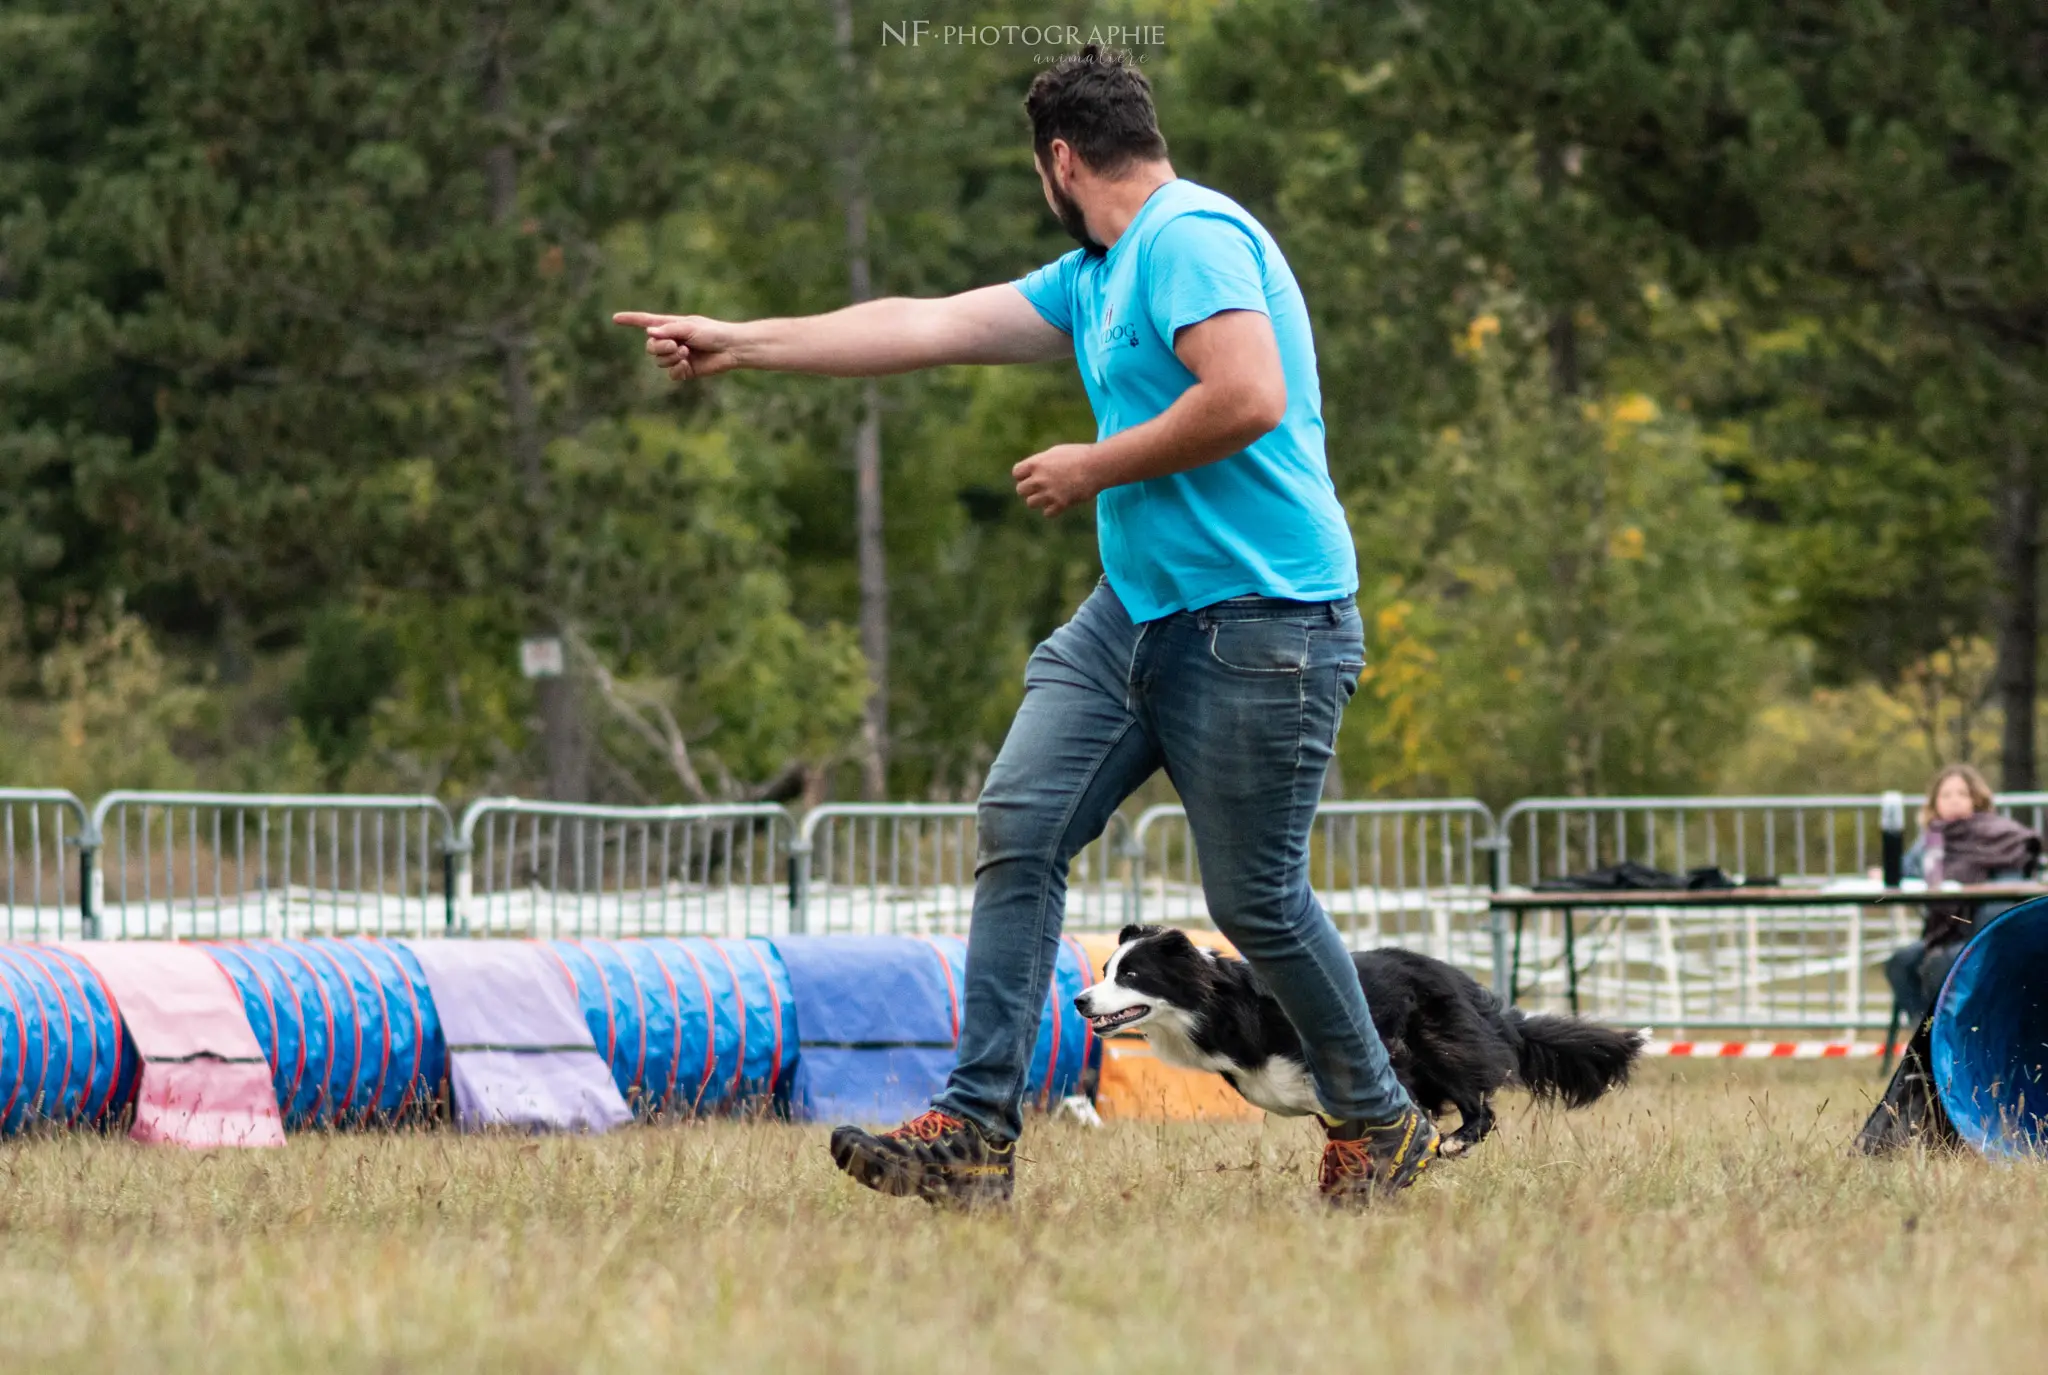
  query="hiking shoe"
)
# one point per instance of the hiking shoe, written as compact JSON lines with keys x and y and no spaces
{"x":938,"y":1157}
{"x":1362,"y":1160}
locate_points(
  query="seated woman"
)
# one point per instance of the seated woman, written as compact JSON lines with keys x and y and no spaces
{"x":1964,"y":839}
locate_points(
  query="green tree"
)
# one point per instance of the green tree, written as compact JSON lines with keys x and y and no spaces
{"x":1857,"y":174}
{"x":376,"y":248}
{"x":1571,"y":615}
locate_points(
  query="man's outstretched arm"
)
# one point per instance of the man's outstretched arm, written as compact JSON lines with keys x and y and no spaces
{"x":993,"y":324}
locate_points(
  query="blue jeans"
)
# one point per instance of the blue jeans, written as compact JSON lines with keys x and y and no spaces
{"x":1239,"y":702}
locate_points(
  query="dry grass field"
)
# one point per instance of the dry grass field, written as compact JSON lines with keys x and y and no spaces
{"x":1707,"y":1220}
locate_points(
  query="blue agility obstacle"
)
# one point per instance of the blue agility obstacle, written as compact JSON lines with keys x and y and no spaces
{"x":834,"y":1027}
{"x":1976,"y":1072}
{"x":689,"y":1026}
{"x":64,"y":1057}
{"x":348,"y":1027}
{"x":881,"y":1021}
{"x":1988,"y":1039}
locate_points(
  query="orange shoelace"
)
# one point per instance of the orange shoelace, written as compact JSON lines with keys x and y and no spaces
{"x":1342,"y":1159}
{"x":926,"y":1126}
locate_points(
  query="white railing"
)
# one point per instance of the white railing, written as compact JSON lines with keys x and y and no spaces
{"x":880,"y":868}
{"x":45,"y":884}
{"x":558,"y":869}
{"x":179,"y":865}
{"x":1413,"y":874}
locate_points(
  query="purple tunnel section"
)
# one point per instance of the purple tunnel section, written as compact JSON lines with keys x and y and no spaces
{"x":881,"y":1024}
{"x":520,"y":1056}
{"x":688,"y":1025}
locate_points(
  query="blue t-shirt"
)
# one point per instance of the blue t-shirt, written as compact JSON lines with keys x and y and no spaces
{"x":1265,"y":519}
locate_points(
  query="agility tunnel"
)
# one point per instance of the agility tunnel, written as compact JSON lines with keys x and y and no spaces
{"x":349,"y":1033}
{"x":348,"y":1026}
{"x":1988,"y":1038}
{"x":1975,"y":1073}
{"x":688,"y":1025}
{"x":64,"y":1056}
{"x":880,"y":1018}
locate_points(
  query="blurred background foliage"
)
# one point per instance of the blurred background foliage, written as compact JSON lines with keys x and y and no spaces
{"x":1683,"y":366}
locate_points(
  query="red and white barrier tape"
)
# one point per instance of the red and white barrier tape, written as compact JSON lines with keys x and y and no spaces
{"x":1766,"y":1050}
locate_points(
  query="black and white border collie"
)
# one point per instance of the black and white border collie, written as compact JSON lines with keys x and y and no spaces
{"x":1451,"y":1042}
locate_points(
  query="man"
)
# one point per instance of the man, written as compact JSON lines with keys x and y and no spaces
{"x":1221,"y":645}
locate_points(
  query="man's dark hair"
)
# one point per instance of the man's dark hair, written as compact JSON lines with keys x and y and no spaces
{"x":1101,"y":106}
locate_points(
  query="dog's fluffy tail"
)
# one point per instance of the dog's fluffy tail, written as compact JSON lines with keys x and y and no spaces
{"x":1573,"y":1061}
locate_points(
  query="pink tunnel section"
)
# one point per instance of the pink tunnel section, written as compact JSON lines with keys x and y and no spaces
{"x":205,"y":1081}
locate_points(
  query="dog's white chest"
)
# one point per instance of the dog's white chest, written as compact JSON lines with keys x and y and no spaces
{"x":1279,"y":1086}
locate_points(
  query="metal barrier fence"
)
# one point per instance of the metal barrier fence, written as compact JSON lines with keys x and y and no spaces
{"x":565,"y":870}
{"x":880,"y":868}
{"x":176,"y":865}
{"x":1413,"y":874}
{"x":43,"y":886}
{"x":1708,"y":968}
{"x":1794,"y":839}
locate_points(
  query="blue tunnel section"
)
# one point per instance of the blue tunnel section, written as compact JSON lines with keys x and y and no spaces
{"x":881,"y":1025}
{"x":64,"y":1056}
{"x":1990,"y":1036}
{"x":347,"y":1026}
{"x":688,"y":1025}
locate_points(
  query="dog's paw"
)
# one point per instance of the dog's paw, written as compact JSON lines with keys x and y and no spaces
{"x":1450,"y":1148}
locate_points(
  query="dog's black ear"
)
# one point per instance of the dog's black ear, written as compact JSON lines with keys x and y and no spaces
{"x":1171,"y":939}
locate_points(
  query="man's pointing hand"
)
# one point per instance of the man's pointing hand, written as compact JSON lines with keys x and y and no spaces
{"x":685,"y":346}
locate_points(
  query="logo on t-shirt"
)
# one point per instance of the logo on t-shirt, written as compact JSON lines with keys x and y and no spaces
{"x":1114,"y":333}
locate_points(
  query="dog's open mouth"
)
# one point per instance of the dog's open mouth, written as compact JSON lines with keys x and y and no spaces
{"x":1110,"y":1021}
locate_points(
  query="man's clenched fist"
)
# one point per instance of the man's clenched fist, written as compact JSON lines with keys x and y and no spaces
{"x":1055,"y":479}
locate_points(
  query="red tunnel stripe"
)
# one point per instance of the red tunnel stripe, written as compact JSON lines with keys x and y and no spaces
{"x":675,"y":1003}
{"x":739,"y":1072}
{"x":952,"y":993}
{"x":568,"y":977}
{"x":576,"y":992}
{"x":114,"y":1075}
{"x":640,"y":1004}
{"x":92,"y":1062}
{"x":41,"y":1013}
{"x":43,"y":1028}
{"x":215,"y":953}
{"x":383,"y":1020}
{"x":21,"y":1051}
{"x":1087,"y":977}
{"x":326,"y":1017}
{"x":710,"y":1028}
{"x":1052,"y":1061}
{"x":774,"y":1010}
{"x":264,"y":971}
{"x":611,"y":1030}
{"x":355,"y":1068}
{"x":419,"y":1026}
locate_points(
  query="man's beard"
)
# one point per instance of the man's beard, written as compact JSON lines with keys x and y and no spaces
{"x":1068,"y":211}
